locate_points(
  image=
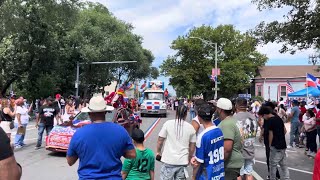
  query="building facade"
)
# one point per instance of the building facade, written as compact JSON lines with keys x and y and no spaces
{"x":272,"y":81}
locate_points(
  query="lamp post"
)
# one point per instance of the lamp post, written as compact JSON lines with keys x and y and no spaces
{"x":78,"y":67}
{"x":314,"y":59}
{"x":206,"y":42}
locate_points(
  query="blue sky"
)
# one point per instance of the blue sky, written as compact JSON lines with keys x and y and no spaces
{"x":159,"y":22}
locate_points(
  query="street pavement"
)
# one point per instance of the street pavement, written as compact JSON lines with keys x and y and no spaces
{"x":45,"y":165}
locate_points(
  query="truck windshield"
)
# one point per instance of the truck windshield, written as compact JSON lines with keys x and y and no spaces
{"x":153,"y":96}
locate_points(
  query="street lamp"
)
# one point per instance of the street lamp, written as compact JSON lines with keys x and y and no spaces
{"x":314,"y":59}
{"x":78,"y":67}
{"x":206,"y":42}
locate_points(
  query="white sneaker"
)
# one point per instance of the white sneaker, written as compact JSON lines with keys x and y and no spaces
{"x":312,"y":154}
{"x":309,"y":153}
{"x":289,"y":147}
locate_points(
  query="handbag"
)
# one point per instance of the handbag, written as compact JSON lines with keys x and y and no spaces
{"x":3,"y":118}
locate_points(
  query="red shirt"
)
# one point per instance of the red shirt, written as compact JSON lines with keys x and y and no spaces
{"x":316,"y":169}
{"x":303,"y":110}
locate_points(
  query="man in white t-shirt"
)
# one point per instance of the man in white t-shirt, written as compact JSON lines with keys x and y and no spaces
{"x":179,"y":147}
{"x":21,"y":121}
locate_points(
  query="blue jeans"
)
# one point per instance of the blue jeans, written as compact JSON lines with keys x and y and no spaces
{"x":294,"y":133}
{"x":41,"y":129}
{"x":19,"y":138}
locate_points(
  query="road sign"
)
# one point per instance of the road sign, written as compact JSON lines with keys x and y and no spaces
{"x":218,"y":89}
{"x":214,"y":72}
{"x":218,"y":82}
{"x":247,"y":96}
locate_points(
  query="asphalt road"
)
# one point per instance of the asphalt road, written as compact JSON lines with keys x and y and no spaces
{"x":45,"y":165}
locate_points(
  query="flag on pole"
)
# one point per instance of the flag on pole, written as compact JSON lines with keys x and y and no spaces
{"x":289,"y":87}
{"x":312,"y":81}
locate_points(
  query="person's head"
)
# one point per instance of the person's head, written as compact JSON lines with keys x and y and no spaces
{"x":281,"y":98}
{"x":241,"y":104}
{"x":198,"y":103}
{"x":265,"y":112}
{"x":303,"y":104}
{"x":4,"y":103}
{"x":58,"y":97}
{"x":282,"y":106}
{"x":70,"y":102}
{"x":295,"y":103}
{"x":205,"y":113}
{"x":97,"y":108}
{"x":19,"y":102}
{"x":137,"y":136}
{"x":270,"y":104}
{"x":310,"y":113}
{"x":181,"y":115}
{"x":49,"y":101}
{"x":224,"y":108}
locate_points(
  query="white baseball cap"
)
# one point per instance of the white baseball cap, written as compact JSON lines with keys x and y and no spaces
{"x":97,"y":104}
{"x":224,"y":103}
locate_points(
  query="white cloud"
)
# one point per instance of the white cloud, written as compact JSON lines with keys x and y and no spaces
{"x":160,"y":22}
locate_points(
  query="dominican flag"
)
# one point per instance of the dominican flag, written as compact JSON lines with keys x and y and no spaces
{"x":312,"y":81}
{"x":213,"y":78}
{"x":289,"y":87}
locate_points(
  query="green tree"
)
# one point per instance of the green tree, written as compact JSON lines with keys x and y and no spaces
{"x":298,"y":30}
{"x":30,"y":39}
{"x":48,"y":38}
{"x":192,"y":65}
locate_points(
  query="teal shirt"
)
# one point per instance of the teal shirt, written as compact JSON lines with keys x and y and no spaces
{"x":296,"y":112}
{"x":140,"y":167}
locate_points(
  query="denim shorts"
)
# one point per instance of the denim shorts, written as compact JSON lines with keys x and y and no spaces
{"x":247,"y":167}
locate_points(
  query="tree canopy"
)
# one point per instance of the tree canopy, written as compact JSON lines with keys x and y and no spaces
{"x":41,"y":42}
{"x":190,"y":67}
{"x":300,"y":28}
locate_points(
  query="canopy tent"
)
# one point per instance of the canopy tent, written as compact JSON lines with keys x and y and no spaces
{"x":311,"y":91}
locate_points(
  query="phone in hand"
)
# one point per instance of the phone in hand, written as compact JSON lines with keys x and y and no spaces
{"x":158,"y":157}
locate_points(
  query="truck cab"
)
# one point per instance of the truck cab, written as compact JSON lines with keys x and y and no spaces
{"x":154,"y":101}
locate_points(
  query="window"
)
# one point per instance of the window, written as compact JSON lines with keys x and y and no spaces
{"x":259,"y":91}
{"x":283,"y":91}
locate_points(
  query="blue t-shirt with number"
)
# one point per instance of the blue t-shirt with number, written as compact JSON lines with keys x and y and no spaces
{"x":99,"y":147}
{"x":210,"y":153}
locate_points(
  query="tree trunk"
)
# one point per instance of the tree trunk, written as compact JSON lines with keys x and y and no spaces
{"x":6,"y":86}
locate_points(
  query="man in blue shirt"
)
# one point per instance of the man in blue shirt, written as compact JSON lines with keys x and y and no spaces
{"x":295,"y":123}
{"x":209,"y":159}
{"x":100,"y":145}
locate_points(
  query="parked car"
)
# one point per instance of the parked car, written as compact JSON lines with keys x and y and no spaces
{"x":60,"y":136}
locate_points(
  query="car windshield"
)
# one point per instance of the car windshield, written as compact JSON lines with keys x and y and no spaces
{"x":153,"y":95}
{"x":83,"y":116}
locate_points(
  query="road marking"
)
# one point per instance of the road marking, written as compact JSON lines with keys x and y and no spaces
{"x":151,"y":128}
{"x":293,"y":169}
{"x":256,"y":175}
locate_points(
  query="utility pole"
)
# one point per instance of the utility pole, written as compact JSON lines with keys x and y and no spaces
{"x":206,"y":42}
{"x":78,"y":69}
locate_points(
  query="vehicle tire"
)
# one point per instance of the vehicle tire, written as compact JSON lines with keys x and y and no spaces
{"x":143,"y":115}
{"x":164,"y":115}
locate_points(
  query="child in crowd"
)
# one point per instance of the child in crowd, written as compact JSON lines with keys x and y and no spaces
{"x":142,"y":167}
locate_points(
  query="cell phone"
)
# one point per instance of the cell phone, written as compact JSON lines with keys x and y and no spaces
{"x":158,"y":157}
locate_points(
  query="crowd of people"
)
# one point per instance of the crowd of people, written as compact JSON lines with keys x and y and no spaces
{"x":218,"y":142}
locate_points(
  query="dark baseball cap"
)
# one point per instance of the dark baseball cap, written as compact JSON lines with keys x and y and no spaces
{"x":205,"y":112}
{"x":137,"y":135}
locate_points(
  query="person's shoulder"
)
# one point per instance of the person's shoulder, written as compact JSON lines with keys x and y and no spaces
{"x":150,"y":152}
